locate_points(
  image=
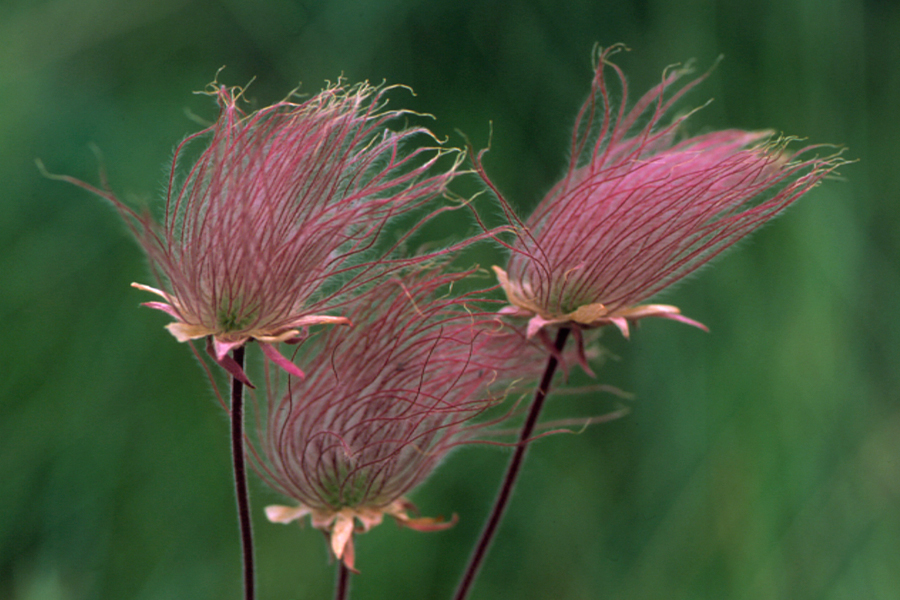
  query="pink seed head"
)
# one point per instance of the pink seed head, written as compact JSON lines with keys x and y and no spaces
{"x":281,"y":213}
{"x":637,"y":210}
{"x":384,"y":402}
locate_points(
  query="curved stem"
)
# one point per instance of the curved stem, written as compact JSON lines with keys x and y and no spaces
{"x":240,"y":475}
{"x":342,"y":585}
{"x":512,"y":471}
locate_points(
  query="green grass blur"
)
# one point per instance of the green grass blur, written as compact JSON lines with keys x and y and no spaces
{"x":760,"y":461}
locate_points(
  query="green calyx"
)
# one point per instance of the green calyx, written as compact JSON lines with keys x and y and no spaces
{"x":347,"y":490}
{"x":231,"y":315}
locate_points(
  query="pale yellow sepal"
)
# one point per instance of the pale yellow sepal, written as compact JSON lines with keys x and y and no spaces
{"x":285,"y":514}
{"x":284,"y":336}
{"x":184,"y":331}
{"x":152,"y":290}
{"x":342,"y":537}
{"x":587,"y":313}
{"x":514,"y":292}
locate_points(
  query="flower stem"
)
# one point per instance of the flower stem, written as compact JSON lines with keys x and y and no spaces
{"x":512,"y":471}
{"x":240,"y":475}
{"x":342,"y":585}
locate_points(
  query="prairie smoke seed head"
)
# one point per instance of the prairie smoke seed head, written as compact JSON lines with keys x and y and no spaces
{"x":638,"y":210}
{"x":282,"y":214}
{"x":382,"y":405}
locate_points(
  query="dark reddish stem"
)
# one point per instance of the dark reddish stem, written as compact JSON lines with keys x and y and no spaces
{"x":342,"y":585}
{"x":240,"y":475}
{"x":512,"y":471}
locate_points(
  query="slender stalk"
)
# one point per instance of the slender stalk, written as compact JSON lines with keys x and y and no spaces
{"x":512,"y":471}
{"x":240,"y":476}
{"x":342,"y":585}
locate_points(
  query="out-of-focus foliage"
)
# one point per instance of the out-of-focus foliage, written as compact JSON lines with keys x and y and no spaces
{"x":759,"y":461}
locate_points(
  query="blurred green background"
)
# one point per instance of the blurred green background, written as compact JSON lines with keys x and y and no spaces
{"x":761,"y":460}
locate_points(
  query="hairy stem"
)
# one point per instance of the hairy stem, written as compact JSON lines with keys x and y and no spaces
{"x":342,"y":584}
{"x":512,"y":471}
{"x":240,"y":476}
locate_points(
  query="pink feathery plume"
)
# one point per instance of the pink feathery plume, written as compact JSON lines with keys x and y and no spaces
{"x":641,"y":207}
{"x":383,"y":404}
{"x":281,"y":214}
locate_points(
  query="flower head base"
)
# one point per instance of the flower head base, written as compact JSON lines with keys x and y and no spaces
{"x":341,"y":525}
{"x":280,"y":214}
{"x":638,"y":210}
{"x":382,"y":405}
{"x":586,"y":315}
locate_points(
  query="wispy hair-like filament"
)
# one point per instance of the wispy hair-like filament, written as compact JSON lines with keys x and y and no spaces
{"x":640,"y":206}
{"x":385,"y":401}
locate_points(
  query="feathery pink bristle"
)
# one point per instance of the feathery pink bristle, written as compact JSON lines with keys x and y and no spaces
{"x":636,"y":211}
